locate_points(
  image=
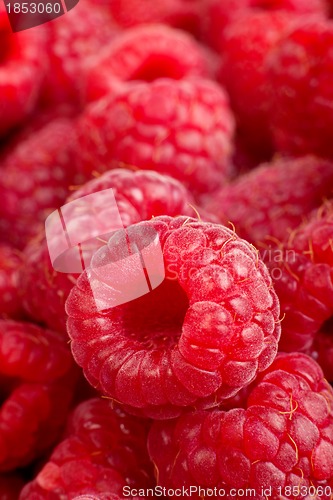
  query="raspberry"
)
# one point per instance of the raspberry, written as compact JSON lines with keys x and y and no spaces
{"x":177,"y":13}
{"x":180,"y":128}
{"x":269,"y":202}
{"x":247,"y":44}
{"x":301,"y":114}
{"x":219,"y":15}
{"x":282,"y":440}
{"x":22,"y":67}
{"x":104,"y":450}
{"x":36,"y":175}
{"x":139,"y":196}
{"x":145,"y":53}
{"x":197,"y":339}
{"x":10,"y":296}
{"x":36,"y":381}
{"x":73,"y":41}
{"x":302,"y":276}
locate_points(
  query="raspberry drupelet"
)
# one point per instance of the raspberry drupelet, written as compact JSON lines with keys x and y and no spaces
{"x":37,"y":379}
{"x":139,"y":196}
{"x":180,"y":128}
{"x":302,"y":279}
{"x":283,"y":439}
{"x":269,"y":202}
{"x":104,"y":450}
{"x":197,"y":339}
{"x":146,"y":53}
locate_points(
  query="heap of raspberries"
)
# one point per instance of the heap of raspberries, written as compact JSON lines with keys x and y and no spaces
{"x":166,"y":250}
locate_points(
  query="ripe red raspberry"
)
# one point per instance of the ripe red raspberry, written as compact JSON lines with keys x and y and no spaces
{"x":36,"y":381}
{"x":36,"y":175}
{"x":145,"y":53}
{"x":139,"y":196}
{"x":177,"y":13}
{"x":73,"y":40}
{"x":104,"y":450}
{"x":197,"y":339}
{"x":247,"y":44}
{"x":302,"y":277}
{"x":269,"y":202}
{"x":301,"y":113}
{"x":283,"y":439}
{"x":180,"y":128}
{"x":22,"y":67}
{"x":10,"y":294}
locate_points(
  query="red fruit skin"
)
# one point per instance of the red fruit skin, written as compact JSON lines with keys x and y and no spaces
{"x":247,"y":44}
{"x":146,"y":53}
{"x":283,"y":438}
{"x":10,"y":295}
{"x":195,"y":340}
{"x":302,"y":277}
{"x":140,"y":195}
{"x":301,"y":114}
{"x":22,"y":68}
{"x":179,"y":14}
{"x":37,"y":379}
{"x":219,"y":15}
{"x":73,"y":40}
{"x":104,"y":450}
{"x":264,"y":207}
{"x":180,"y":128}
{"x":36,"y":175}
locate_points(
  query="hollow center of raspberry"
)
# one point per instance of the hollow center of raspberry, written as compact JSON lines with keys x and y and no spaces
{"x":327,"y":326}
{"x":158,"y":67}
{"x":156,"y":319}
{"x":7,"y":386}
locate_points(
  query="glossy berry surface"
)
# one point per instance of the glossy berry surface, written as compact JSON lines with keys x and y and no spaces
{"x":264,"y":207}
{"x":37,"y":380}
{"x":139,"y":196}
{"x":195,"y":340}
{"x":303,"y":280}
{"x":282,"y":439}
{"x":104,"y":450}
{"x":146,"y":53}
{"x":180,"y":128}
{"x":301,"y":115}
